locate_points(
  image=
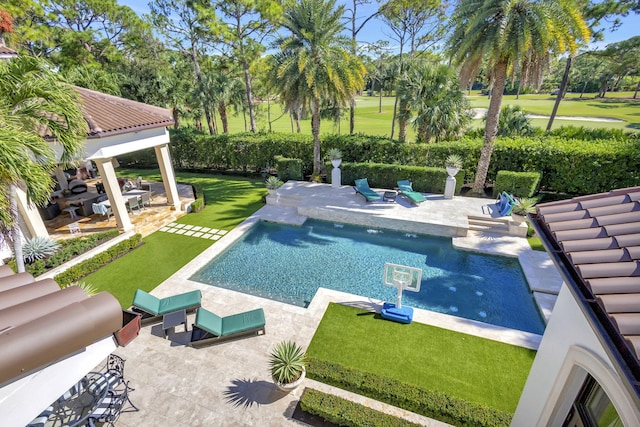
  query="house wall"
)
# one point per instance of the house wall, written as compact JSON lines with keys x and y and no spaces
{"x":569,"y":350}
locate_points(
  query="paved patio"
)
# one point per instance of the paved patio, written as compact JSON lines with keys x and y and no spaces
{"x":229,"y":383}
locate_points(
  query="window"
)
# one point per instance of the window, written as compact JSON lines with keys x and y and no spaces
{"x":593,"y":408}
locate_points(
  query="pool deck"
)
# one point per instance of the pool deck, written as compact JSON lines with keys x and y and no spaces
{"x":229,"y":384}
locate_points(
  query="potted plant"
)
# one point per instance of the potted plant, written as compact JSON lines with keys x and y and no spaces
{"x":521,"y":208}
{"x":273,"y":183}
{"x":453,"y":164}
{"x":287,"y":365}
{"x":335,"y":156}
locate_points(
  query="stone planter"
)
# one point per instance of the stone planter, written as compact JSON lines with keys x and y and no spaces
{"x":452,"y":171}
{"x":336,"y":163}
{"x":288,"y":388}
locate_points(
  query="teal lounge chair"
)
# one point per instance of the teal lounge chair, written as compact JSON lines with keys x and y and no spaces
{"x":210,"y":328}
{"x":406,"y":189}
{"x":362,"y":188}
{"x":152,"y":307}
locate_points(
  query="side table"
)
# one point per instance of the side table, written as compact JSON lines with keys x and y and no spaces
{"x":72,"y":211}
{"x":173,"y":319}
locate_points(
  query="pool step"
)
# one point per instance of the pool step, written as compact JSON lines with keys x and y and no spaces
{"x":502,"y":225}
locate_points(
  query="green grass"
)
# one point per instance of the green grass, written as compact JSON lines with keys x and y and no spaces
{"x":463,"y":366}
{"x":230,"y":201}
{"x":369,"y":121}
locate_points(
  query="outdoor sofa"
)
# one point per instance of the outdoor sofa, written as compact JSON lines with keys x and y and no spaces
{"x":210,"y":328}
{"x":152,"y":307}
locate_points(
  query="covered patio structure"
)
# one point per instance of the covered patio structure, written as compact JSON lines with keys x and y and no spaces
{"x":115,"y":126}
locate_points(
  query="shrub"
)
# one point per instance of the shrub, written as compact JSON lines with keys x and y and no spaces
{"x":86,"y":267}
{"x":429,"y":403}
{"x":513,"y":121}
{"x":424,"y":179}
{"x":288,"y":168}
{"x":520,"y":184}
{"x":344,"y":412}
{"x":38,"y":247}
{"x":69,"y":248}
{"x":197,"y":205}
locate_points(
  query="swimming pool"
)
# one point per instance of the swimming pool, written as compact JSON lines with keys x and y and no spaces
{"x":289,"y":264}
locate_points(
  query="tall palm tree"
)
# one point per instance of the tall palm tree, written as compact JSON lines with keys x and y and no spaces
{"x":33,"y":101}
{"x":316,"y":62}
{"x":509,"y":35}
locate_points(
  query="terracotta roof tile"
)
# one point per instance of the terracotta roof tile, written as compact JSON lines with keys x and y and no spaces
{"x":108,"y":115}
{"x":597,"y":241}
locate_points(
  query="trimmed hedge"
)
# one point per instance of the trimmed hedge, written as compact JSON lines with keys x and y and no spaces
{"x":429,"y":403}
{"x":344,"y":412}
{"x":569,"y":165}
{"x":86,"y":267}
{"x":69,"y":249}
{"x":424,"y":179}
{"x":520,"y":184}
{"x":288,"y":168}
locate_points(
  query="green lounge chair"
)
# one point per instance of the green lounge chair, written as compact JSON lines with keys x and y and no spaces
{"x":152,"y":307}
{"x":406,"y":189}
{"x":362,"y":188}
{"x":210,"y":328}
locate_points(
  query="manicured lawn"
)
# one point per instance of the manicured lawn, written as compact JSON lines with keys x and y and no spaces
{"x":369,"y":121}
{"x":463,"y":366}
{"x":230,"y":201}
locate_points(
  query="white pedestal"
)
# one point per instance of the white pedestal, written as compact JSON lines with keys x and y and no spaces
{"x":336,"y":178}
{"x":449,"y":187}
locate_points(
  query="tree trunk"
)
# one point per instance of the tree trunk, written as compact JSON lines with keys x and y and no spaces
{"x":352,"y":115}
{"x":199,"y":123}
{"x":16,"y":233}
{"x":635,"y":94}
{"x":393,"y":120}
{"x":222,"y":110}
{"x":205,"y":104}
{"x":563,"y":86}
{"x":380,"y":99}
{"x":269,"y":111}
{"x":491,"y":127}
{"x":176,"y":117}
{"x":247,"y":83}
{"x":298,"y":116}
{"x":315,"y":131}
{"x":584,"y":87}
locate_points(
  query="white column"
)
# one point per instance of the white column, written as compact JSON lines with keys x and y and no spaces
{"x":30,"y":215}
{"x":168,"y":177}
{"x":110,"y":181}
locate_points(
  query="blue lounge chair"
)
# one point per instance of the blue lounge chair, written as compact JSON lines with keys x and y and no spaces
{"x":406,"y":189}
{"x":209,"y":327}
{"x":505,"y":203}
{"x":362,"y":188}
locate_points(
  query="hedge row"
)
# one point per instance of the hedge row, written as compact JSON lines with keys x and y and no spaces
{"x":94,"y":263}
{"x":520,"y":184}
{"x":429,"y":403}
{"x":69,"y":248}
{"x":424,"y":179}
{"x":600,"y":162}
{"x":344,"y":412}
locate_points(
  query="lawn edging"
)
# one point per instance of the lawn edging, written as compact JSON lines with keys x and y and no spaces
{"x":429,"y":403}
{"x":344,"y":412}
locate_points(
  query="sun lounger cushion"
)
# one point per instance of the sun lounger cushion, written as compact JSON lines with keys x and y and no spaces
{"x":406,"y":189}
{"x":362,"y":188}
{"x":229,"y":325}
{"x":157,"y":306}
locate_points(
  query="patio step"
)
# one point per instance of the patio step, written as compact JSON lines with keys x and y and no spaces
{"x":488,"y":224}
{"x":284,"y":200}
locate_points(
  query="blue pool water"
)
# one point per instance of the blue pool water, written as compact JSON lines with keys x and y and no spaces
{"x":289,"y":263}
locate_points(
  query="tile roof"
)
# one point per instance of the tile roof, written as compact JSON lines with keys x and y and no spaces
{"x":596,"y":240}
{"x":108,"y":115}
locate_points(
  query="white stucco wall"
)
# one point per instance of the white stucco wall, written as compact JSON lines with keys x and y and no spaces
{"x":569,"y":349}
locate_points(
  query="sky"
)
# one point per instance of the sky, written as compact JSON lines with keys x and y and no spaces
{"x":376,"y":30}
